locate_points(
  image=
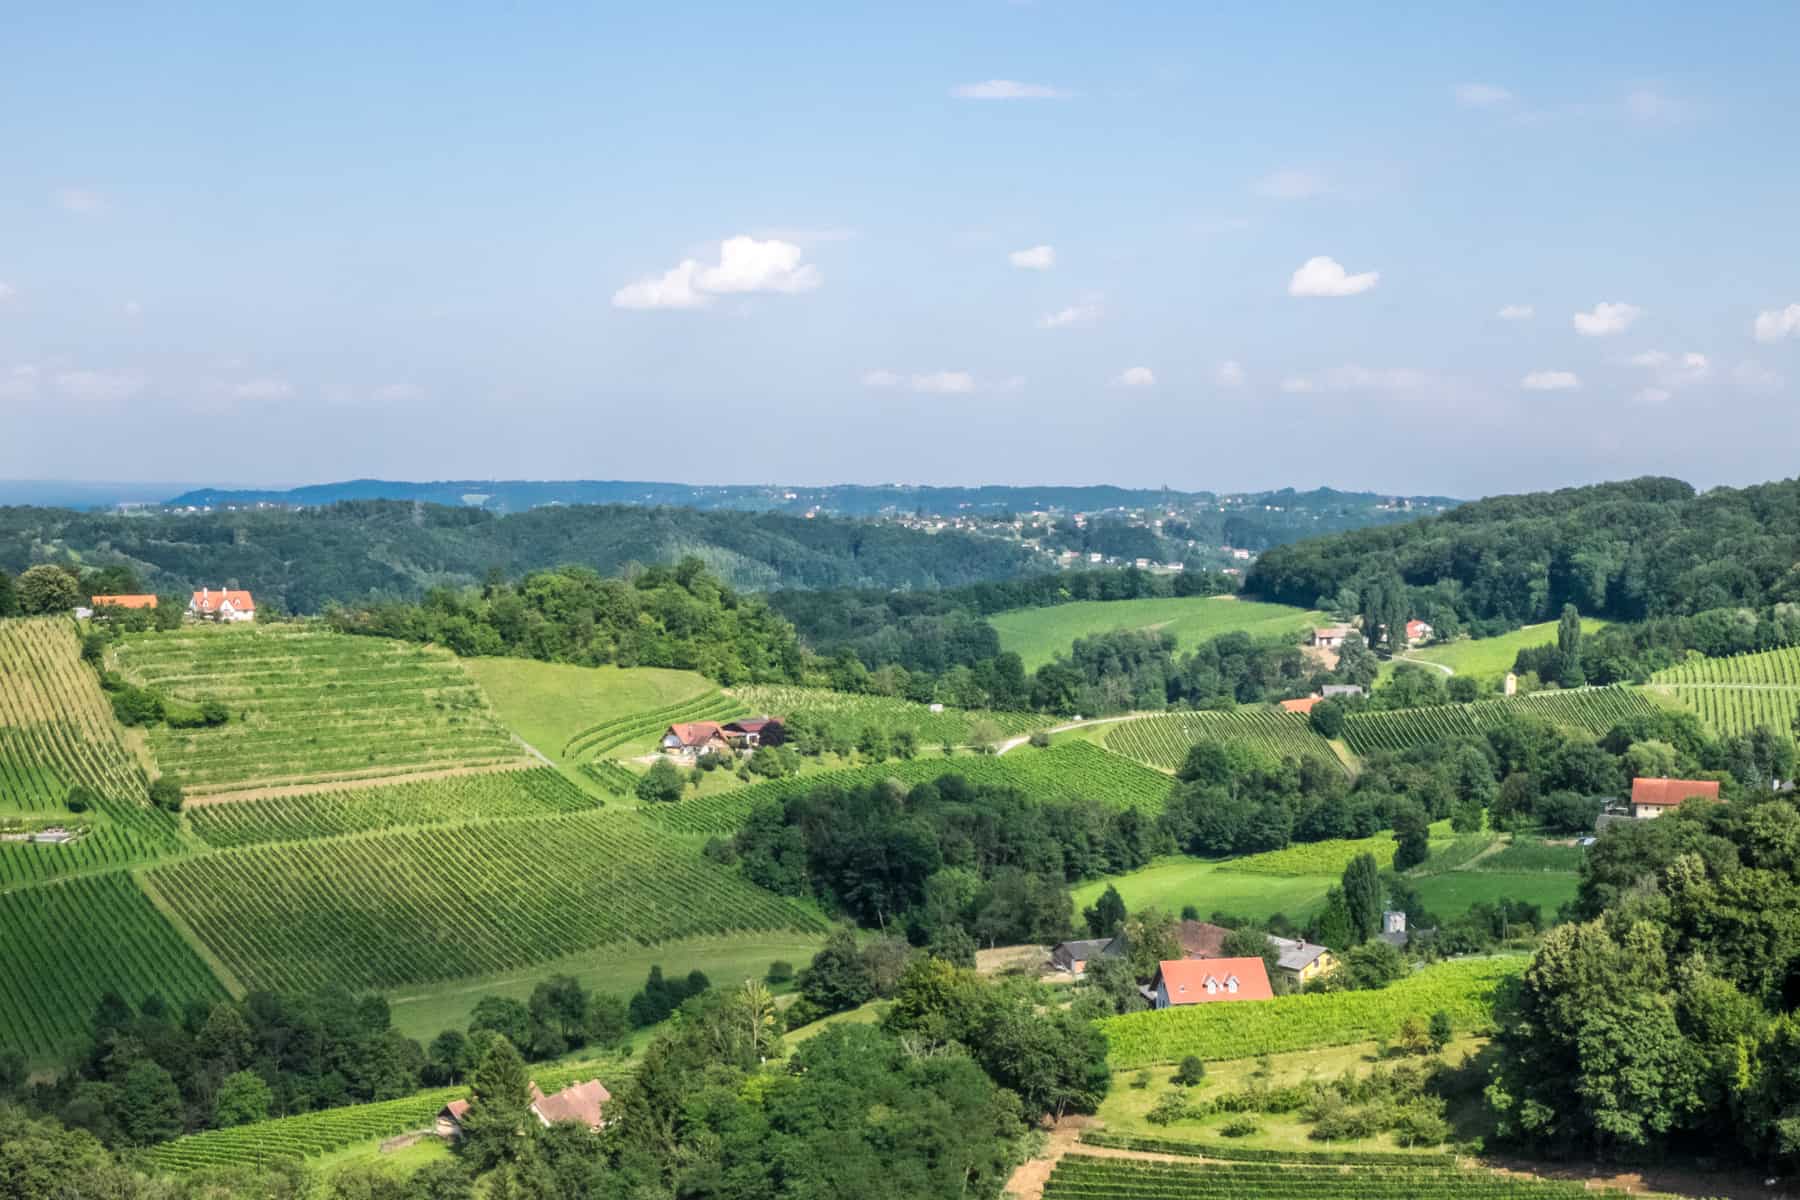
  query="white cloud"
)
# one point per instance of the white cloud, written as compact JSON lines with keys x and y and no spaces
{"x":7,"y":291}
{"x":1778,"y":323}
{"x":1353,"y":378}
{"x":1037,"y":258}
{"x":1481,"y":95}
{"x":808,"y":237}
{"x":941,"y":383}
{"x":944,"y":382}
{"x":1323,"y":276}
{"x":397,"y":393}
{"x":1136,"y":377}
{"x":1084,"y":313}
{"x":99,"y":387}
{"x":1673,"y":370}
{"x":1607,"y":318}
{"x":19,"y":382}
{"x":1230,"y":374}
{"x":1755,"y":377}
{"x":881,"y":379}
{"x":1291,"y":184}
{"x":1550,"y":381}
{"x":1652,"y":396}
{"x":745,"y":265}
{"x":85,"y":201}
{"x":1516,"y":312}
{"x":263,"y":389}
{"x":1008,"y":89}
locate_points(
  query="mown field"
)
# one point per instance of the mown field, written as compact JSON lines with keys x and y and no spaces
{"x":1489,"y":658}
{"x":312,"y":706}
{"x":1039,"y":634}
{"x":1464,"y":988}
{"x":547,"y":704}
{"x":1208,"y":885}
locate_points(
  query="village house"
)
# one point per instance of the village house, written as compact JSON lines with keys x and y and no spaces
{"x":583,"y":1102}
{"x":1210,"y":981}
{"x":1301,"y":961}
{"x":1197,"y":939}
{"x":123,"y":600}
{"x":1417,"y":632}
{"x":1652,"y":798}
{"x":691,"y":739}
{"x":748,"y":732}
{"x":1073,"y":957}
{"x":1331,"y":637}
{"x":225,"y":604}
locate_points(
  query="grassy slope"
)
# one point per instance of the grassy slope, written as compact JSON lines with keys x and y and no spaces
{"x":1493,"y":657}
{"x":424,"y":1012}
{"x":1173,"y":882}
{"x":1038,"y":634}
{"x":546,"y":703}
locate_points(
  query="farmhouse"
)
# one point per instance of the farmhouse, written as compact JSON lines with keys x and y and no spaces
{"x":750,"y":731}
{"x":1210,"y":981}
{"x":691,"y":739}
{"x":123,"y":600}
{"x":1331,"y":637}
{"x":1417,"y":631}
{"x":577,"y":1102}
{"x":1653,"y":797}
{"x":1074,"y":957}
{"x":225,"y":604}
{"x":450,"y":1118}
{"x":1300,"y":960}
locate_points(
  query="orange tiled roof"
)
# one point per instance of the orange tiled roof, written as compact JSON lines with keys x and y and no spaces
{"x":1186,"y":979}
{"x":1667,"y":793}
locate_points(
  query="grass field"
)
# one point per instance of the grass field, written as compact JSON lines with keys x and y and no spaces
{"x":312,"y":706}
{"x":1039,"y":634}
{"x":1489,"y":658}
{"x":1451,"y":893}
{"x":1173,"y":882}
{"x":425,"y":1011}
{"x":547,"y":704}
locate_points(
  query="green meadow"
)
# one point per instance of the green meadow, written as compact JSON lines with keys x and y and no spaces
{"x":1039,"y":634}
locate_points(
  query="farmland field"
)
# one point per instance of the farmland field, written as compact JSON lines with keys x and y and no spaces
{"x":1068,"y":770}
{"x":1488,"y":658}
{"x":1039,"y":634}
{"x":1208,"y":885}
{"x":442,"y":902}
{"x":953,"y":725}
{"x":1595,"y":710}
{"x":1464,"y":988}
{"x":1165,"y":741}
{"x":311,"y":706}
{"x":1452,"y":892}
{"x":547,"y":704}
{"x":532,"y":792}
{"x":64,"y":945}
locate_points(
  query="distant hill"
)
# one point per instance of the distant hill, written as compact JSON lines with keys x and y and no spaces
{"x":849,"y":500}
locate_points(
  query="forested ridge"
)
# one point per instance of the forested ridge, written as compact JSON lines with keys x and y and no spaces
{"x":375,"y":549}
{"x":1642,"y":548}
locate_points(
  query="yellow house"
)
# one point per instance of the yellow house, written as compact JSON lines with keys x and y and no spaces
{"x":1302,"y":961}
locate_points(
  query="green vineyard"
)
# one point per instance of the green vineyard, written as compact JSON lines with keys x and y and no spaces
{"x":307,"y":1135}
{"x":1316,"y":858}
{"x":1733,"y":711}
{"x":65,"y":945}
{"x":1779,"y":668}
{"x":443,"y":902}
{"x":1595,"y":710}
{"x":605,"y":736}
{"x":610,"y":777}
{"x":1072,"y":770}
{"x":1165,"y":741}
{"x":533,"y":792}
{"x":953,"y":725}
{"x":1463,"y":988}
{"x":312,"y":706}
{"x":1079,"y":1176}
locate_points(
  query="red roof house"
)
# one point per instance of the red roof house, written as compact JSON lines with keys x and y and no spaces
{"x":695,"y":738}
{"x":1417,"y":630}
{"x":222,"y":605}
{"x":1653,"y":797}
{"x":1211,"y":981}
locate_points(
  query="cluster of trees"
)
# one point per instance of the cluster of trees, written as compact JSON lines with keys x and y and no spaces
{"x":680,"y":616}
{"x":559,"y":1016}
{"x":153,"y":1073}
{"x":56,"y":588}
{"x":1629,"y":551}
{"x":1666,"y":1019}
{"x":944,"y":863}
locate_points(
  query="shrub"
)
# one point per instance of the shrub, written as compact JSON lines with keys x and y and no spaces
{"x":1141,"y":1080}
{"x":1170,"y":1107}
{"x":661,"y":784}
{"x":1241,"y":1127}
{"x":780,"y":971}
{"x":1191,"y":1072}
{"x":1040,"y":738}
{"x":79,"y":799}
{"x":1441,"y":1029}
{"x":165,"y":794}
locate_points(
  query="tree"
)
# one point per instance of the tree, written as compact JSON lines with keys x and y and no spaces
{"x":1327,"y":718}
{"x":243,"y":1097}
{"x":1412,"y":833}
{"x":497,"y":1112}
{"x":838,"y":978}
{"x":165,"y":793}
{"x":1107,"y":914}
{"x":1441,"y":1030}
{"x":9,"y":596}
{"x":502,"y":1015}
{"x":661,"y":784}
{"x":1191,"y":1072}
{"x":608,"y":1021}
{"x":44,"y":590}
{"x":1374,"y":964}
{"x":1362,"y":896}
{"x":1568,"y":648}
{"x":149,"y":1102}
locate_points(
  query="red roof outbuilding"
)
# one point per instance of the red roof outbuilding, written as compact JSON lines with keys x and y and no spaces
{"x":1667,"y":793}
{"x":124,"y":601}
{"x":1302,"y":706}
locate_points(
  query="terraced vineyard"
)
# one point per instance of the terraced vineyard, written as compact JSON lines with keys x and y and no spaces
{"x":1779,"y":668}
{"x":1068,"y":771}
{"x":64,"y":945}
{"x":442,"y":902}
{"x":1079,"y":1176}
{"x":316,"y":707}
{"x":310,"y":1134}
{"x":1165,"y":741}
{"x":533,"y":792}
{"x":1464,"y":988}
{"x":1595,"y":710}
{"x":953,"y":725}
{"x":610,"y":777}
{"x":606,"y":736}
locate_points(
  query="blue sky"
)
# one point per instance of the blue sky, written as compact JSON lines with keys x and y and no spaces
{"x":962,"y":242}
